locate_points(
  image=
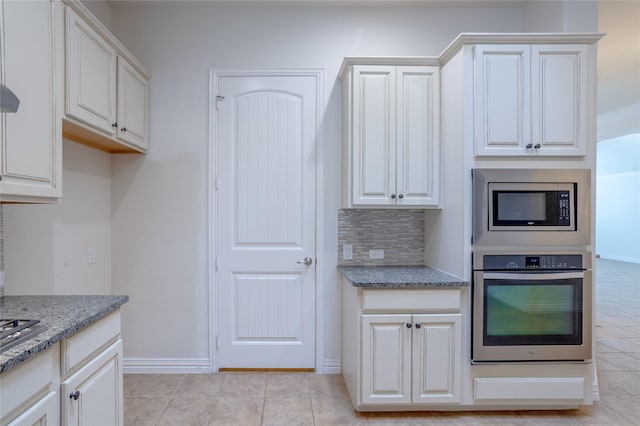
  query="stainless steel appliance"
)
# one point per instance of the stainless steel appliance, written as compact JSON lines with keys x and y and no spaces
{"x":532,"y":307}
{"x":15,"y":331}
{"x":531,"y":207}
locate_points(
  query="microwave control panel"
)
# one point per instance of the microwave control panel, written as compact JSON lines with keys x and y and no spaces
{"x":564,"y":215}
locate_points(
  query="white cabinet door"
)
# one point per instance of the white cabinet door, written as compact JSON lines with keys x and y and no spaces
{"x":502,"y":99}
{"x":42,"y":413}
{"x":437,"y":358}
{"x":31,"y":39}
{"x":530,"y":100}
{"x":91,"y":76}
{"x":373,"y":144}
{"x":133,"y":94}
{"x":93,"y":395}
{"x":394,"y":140}
{"x":558,"y":90}
{"x":417,"y":135}
{"x":386,"y":359}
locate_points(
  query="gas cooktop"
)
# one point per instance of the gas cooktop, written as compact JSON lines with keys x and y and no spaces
{"x":15,"y":331}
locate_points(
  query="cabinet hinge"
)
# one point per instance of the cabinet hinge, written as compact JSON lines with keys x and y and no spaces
{"x":217,"y":266}
{"x":217,"y":343}
{"x":218,"y":100}
{"x":217,"y":183}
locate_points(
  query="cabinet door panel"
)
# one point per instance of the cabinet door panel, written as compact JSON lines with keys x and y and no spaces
{"x":417,"y":140}
{"x":373,"y":135}
{"x":42,"y":413}
{"x":31,"y":143}
{"x":558,"y":86}
{"x":91,"y":76}
{"x":386,"y":359}
{"x":436,"y":358}
{"x":132,"y":105}
{"x":502,"y":90}
{"x":99,"y":389}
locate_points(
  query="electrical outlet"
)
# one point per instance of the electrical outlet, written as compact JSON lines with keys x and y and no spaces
{"x":91,"y":255}
{"x":347,"y":252}
{"x":376,"y":254}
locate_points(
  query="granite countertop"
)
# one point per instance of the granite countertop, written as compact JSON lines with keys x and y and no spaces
{"x":64,"y":315}
{"x":399,"y":277}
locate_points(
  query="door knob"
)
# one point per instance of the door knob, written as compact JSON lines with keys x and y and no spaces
{"x":307,"y":261}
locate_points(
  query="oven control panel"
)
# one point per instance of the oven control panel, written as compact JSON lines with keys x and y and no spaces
{"x":529,"y":262}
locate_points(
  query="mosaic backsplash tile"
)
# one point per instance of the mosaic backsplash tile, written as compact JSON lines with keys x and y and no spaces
{"x":1,"y":256}
{"x":400,"y":233}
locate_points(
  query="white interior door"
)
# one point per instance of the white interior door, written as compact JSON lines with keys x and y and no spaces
{"x":266,"y":134}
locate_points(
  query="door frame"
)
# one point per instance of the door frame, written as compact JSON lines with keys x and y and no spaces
{"x":212,"y":203}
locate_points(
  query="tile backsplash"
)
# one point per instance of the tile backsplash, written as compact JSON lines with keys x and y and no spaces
{"x":1,"y":256}
{"x":400,"y":233}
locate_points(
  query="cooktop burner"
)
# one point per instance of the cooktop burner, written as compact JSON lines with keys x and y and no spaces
{"x":15,"y":331}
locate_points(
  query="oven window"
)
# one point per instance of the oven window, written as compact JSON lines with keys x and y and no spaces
{"x":530,"y":312}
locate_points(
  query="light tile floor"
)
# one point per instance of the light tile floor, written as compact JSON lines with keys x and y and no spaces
{"x":283,"y":399}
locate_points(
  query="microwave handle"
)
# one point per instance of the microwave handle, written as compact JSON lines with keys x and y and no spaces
{"x":532,"y":276}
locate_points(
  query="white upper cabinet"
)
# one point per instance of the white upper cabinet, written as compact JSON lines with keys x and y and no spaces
{"x":91,"y":76}
{"x":530,"y":99}
{"x":391,"y":135}
{"x":31,"y":138}
{"x":107,"y":90}
{"x":133,"y":95}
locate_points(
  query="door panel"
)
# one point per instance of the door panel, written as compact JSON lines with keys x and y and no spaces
{"x":386,"y":359}
{"x":437,"y":358}
{"x":374,"y":135}
{"x":503,"y":97}
{"x":266,"y":134}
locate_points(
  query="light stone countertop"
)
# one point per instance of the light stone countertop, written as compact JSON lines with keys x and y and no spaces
{"x":399,"y":277}
{"x":63,"y":315}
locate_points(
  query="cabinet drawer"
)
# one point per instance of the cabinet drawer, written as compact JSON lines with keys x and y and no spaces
{"x":518,"y":388}
{"x":87,"y":342}
{"x":411,"y":301}
{"x":26,"y":382}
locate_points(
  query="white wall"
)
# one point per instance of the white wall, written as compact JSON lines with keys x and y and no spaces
{"x":618,"y":199}
{"x":100,"y":10}
{"x":160,"y":255}
{"x":46,"y":246}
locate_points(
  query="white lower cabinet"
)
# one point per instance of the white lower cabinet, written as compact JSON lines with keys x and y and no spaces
{"x":402,"y":348}
{"x":411,"y":358}
{"x":76,"y":382}
{"x":28,"y":394}
{"x":93,"y":395}
{"x":42,"y":413}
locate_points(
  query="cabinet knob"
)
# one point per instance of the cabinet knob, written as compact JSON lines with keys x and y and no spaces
{"x":537,"y":146}
{"x":529,"y":146}
{"x":400,"y":196}
{"x":409,"y":325}
{"x":114,"y":125}
{"x":393,"y":196}
{"x":124,"y":129}
{"x":417,"y":325}
{"x":75,"y":395}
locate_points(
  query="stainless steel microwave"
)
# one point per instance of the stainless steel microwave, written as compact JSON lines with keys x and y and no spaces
{"x":531,"y":206}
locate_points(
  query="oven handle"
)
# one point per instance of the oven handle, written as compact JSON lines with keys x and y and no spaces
{"x":532,"y":276}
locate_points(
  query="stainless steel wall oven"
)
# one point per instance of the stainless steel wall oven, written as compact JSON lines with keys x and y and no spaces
{"x":532,"y":307}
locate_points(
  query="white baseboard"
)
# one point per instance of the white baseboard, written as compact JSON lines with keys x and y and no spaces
{"x":191,"y":365}
{"x":332,"y":366}
{"x":166,"y":365}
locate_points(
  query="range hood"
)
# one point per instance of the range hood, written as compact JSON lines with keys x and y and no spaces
{"x":9,"y":102}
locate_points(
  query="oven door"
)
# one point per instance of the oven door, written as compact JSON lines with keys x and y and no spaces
{"x":531,"y":316}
